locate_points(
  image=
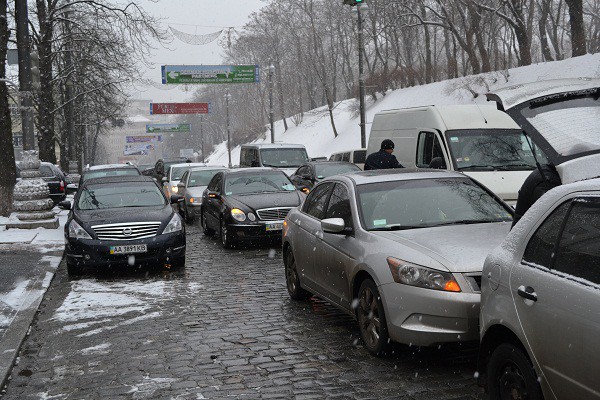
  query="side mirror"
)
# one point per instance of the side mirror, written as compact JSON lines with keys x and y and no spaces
{"x":181,"y":185}
{"x":73,"y":186}
{"x":213,"y":195}
{"x":175,"y":198}
{"x":333,"y":225}
{"x":64,"y":205}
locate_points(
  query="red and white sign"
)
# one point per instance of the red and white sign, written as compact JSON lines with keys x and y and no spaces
{"x":179,"y":108}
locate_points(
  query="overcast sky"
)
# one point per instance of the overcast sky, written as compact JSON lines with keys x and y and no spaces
{"x":194,"y":17}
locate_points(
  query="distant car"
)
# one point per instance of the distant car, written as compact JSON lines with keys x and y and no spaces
{"x":357,"y":157}
{"x":162,"y":166}
{"x":308,"y":175}
{"x":540,"y":301}
{"x":54,"y":177}
{"x":400,"y":250}
{"x":100,"y":171}
{"x":174,"y":174}
{"x":191,"y":186}
{"x":248,"y":204}
{"x":122,"y":220}
{"x":284,"y":156}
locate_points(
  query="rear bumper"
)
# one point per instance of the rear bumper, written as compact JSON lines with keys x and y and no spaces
{"x":162,"y":249}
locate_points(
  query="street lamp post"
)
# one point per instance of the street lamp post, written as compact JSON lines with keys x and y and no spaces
{"x":361,"y":77}
{"x":202,"y":136}
{"x":227,"y":95}
{"x":271,"y":120}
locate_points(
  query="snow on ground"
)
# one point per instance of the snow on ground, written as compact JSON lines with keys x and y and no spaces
{"x":316,"y":134}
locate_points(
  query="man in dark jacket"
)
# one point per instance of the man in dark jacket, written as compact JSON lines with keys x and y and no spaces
{"x":384,"y":158}
{"x":537,"y":183}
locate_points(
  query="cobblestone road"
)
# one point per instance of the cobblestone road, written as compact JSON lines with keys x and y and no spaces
{"x":222,"y":328}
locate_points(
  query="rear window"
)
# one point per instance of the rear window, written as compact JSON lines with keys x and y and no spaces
{"x":110,"y":172}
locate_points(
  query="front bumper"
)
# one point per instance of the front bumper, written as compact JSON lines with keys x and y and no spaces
{"x":194,"y":209}
{"x":254,"y":231}
{"x":162,"y":249}
{"x":424,"y":317}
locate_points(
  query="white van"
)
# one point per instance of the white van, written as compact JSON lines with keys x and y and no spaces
{"x":357,"y":157}
{"x":285,"y":156}
{"x":480,"y":141}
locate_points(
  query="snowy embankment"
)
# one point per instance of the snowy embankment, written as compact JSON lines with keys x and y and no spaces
{"x":316,"y":134}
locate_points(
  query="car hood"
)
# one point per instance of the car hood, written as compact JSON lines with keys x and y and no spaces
{"x":120,"y":215}
{"x":460,"y":248}
{"x":257,"y":201}
{"x":195,"y":191}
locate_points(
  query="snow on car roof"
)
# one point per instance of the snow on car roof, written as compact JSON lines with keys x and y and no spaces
{"x":511,"y":96}
{"x":400,"y":174}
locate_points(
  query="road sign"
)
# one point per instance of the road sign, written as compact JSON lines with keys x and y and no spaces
{"x":187,"y":153}
{"x":137,"y":149}
{"x":143,"y":139}
{"x":179,"y":108}
{"x":207,"y":74}
{"x":168,"y":128}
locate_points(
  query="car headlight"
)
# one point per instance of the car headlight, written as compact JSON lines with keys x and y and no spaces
{"x":174,"y":225}
{"x":416,"y":275}
{"x":238,"y":215}
{"x":174,"y":189}
{"x":77,"y":232}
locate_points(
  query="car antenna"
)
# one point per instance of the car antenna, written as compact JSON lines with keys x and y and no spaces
{"x":481,"y":112}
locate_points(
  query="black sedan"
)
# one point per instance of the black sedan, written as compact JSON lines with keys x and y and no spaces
{"x":120,"y":221}
{"x":248,"y":204}
{"x":55,"y":178}
{"x":309,"y":174}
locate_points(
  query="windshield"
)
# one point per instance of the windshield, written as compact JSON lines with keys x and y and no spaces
{"x":492,"y":149}
{"x":425,"y":203}
{"x":325,"y":170}
{"x":202,"y":178}
{"x":263,"y":183}
{"x":110,"y":172}
{"x":177,"y":172}
{"x":570,"y":126}
{"x":283,"y":158}
{"x":130,"y":194}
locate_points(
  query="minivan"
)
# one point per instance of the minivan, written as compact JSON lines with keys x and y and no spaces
{"x":285,"y":156}
{"x":357,"y":157}
{"x":480,"y":141}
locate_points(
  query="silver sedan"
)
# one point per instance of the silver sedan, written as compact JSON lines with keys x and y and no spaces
{"x":191,"y":186}
{"x":400,"y":250}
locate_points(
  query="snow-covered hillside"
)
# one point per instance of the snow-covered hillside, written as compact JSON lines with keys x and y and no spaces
{"x":316,"y":134}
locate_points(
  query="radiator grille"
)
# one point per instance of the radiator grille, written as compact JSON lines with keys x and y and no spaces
{"x":273,"y":214}
{"x":126,"y":231}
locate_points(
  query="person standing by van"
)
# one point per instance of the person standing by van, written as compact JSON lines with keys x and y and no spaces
{"x":541,"y":180}
{"x":383,"y":159}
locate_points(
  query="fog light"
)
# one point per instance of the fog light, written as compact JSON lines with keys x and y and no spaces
{"x":87,"y":257}
{"x":169,"y":250}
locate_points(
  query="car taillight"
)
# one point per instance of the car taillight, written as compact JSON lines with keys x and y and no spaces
{"x":62,"y":186}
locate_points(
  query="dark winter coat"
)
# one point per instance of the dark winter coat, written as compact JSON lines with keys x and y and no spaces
{"x":534,"y":187}
{"x":381,"y":160}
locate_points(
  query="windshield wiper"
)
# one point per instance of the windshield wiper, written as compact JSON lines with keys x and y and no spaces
{"x":397,"y":227}
{"x":475,"y":166}
{"x":468,"y":222}
{"x":516,"y":165}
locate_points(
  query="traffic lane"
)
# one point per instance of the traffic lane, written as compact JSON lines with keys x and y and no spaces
{"x":223,"y":327}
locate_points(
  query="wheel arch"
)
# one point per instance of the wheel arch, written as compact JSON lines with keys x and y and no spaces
{"x":494,"y":337}
{"x":358,"y":279}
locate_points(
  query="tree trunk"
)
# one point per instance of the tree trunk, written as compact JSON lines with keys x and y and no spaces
{"x":428,"y":65}
{"x":7,"y":152}
{"x":281,"y":98}
{"x":578,"y":44}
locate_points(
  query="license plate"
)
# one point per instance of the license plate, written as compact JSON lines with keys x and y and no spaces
{"x":275,"y":226}
{"x":128,"y":249}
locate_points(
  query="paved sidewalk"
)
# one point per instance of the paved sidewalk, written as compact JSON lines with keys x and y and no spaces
{"x":28,"y":262}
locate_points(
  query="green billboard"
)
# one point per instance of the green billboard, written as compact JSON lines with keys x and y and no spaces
{"x":166,"y":128}
{"x":209,"y":74}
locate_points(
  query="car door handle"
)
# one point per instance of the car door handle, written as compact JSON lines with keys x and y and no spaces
{"x":527,"y":293}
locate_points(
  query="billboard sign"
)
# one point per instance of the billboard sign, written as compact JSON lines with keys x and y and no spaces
{"x":143,"y":139}
{"x":179,"y":108}
{"x":167,"y":128}
{"x":137,"y":149}
{"x":208,"y":74}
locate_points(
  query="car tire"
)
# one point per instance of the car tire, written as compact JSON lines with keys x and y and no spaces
{"x":74,"y":270}
{"x":371,"y":319}
{"x":510,"y":374}
{"x":226,"y":239}
{"x":186,"y":215}
{"x":205,"y":229}
{"x":292,"y":278}
{"x":178,"y":262}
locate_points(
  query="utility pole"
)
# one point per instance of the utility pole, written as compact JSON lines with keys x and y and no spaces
{"x":227,"y":95}
{"x":361,"y":78}
{"x":271,"y":120}
{"x":202,"y":137}
{"x":25,"y":78}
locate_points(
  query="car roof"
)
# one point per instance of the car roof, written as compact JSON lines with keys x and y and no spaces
{"x":275,"y":145}
{"x":251,"y":170}
{"x":187,"y":164}
{"x":110,"y":166}
{"x":208,"y":167}
{"x":400,"y":174}
{"x":327,"y":162}
{"x":118,"y":179}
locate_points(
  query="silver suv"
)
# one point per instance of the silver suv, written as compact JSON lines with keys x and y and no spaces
{"x":540,"y":301}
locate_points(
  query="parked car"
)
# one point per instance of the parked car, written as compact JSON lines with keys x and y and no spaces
{"x":174,"y":174}
{"x":191,"y":186}
{"x":99,"y":171}
{"x":309,"y":174}
{"x":119,"y":220}
{"x":54,"y":177}
{"x":285,"y":156}
{"x":248,"y":204}
{"x":400,"y":250}
{"x":540,"y":301}
{"x":357,"y":157}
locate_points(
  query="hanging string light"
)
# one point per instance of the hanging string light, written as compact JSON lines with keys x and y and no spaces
{"x":196,"y":39}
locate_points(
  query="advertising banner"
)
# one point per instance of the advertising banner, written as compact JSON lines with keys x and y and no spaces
{"x":179,"y":108}
{"x":209,"y":74}
{"x":143,"y":139}
{"x":137,"y":149}
{"x":168,"y":128}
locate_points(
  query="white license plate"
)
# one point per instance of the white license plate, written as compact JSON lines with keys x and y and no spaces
{"x":128,"y":249}
{"x":275,"y":226}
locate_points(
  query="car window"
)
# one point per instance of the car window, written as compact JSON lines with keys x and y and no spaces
{"x":346,"y":156}
{"x":428,"y":148}
{"x":46,"y":171}
{"x":303,"y":171}
{"x":110,"y":172}
{"x":177,"y":172}
{"x":326,"y":169}
{"x":201,"y":177}
{"x":540,"y":248}
{"x":258,"y":183}
{"x":215,"y":183}
{"x":185,"y":176}
{"x":578,"y":252}
{"x":317,"y":201}
{"x":339,"y":204}
{"x":359,"y":156}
